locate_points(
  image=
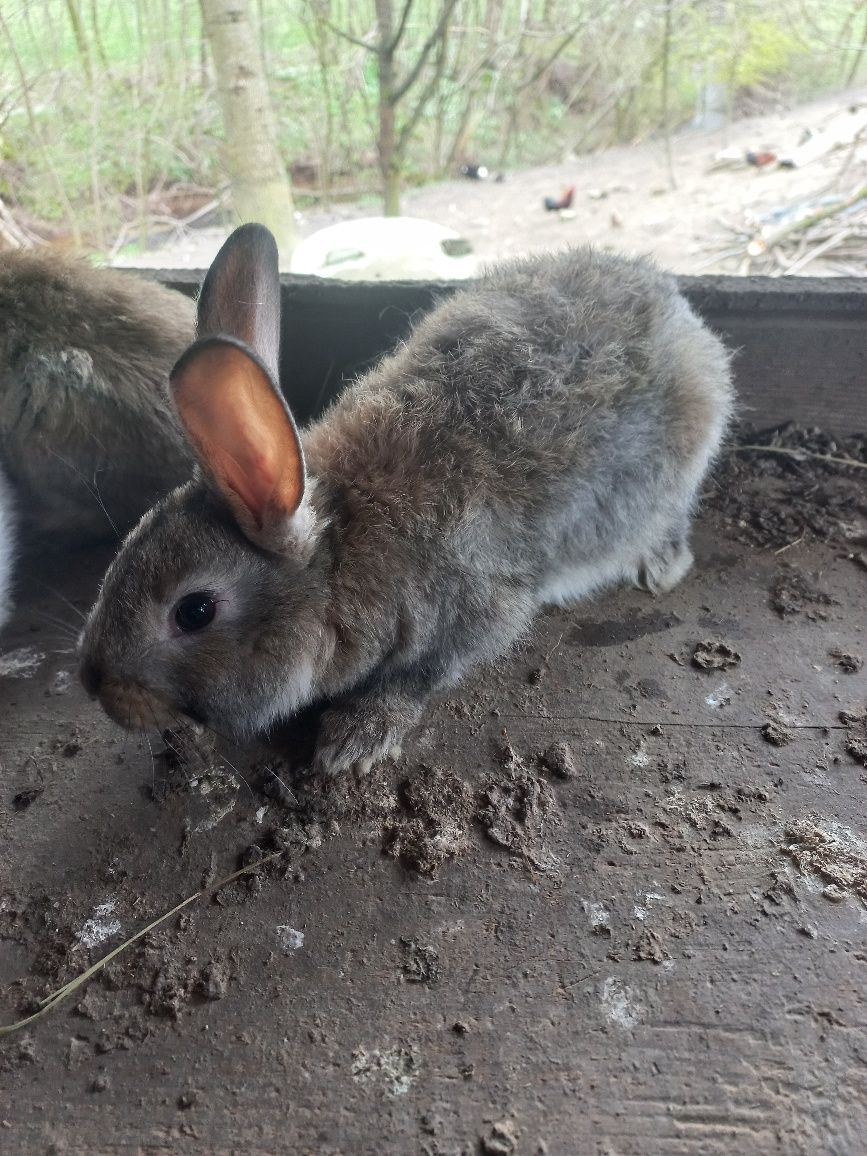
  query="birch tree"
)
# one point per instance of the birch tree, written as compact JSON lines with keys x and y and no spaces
{"x":260,"y":183}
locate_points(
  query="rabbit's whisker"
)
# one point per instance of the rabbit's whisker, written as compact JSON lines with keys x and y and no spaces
{"x":90,"y":487}
{"x":62,"y":597}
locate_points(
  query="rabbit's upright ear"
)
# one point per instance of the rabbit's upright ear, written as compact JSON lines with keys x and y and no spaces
{"x":226,"y":395}
{"x":240,"y":296}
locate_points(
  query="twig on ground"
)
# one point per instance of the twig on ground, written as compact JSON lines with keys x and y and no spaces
{"x":54,"y":998}
{"x":799,"y":455}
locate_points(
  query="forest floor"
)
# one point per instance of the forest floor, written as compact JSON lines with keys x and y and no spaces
{"x":625,"y":199}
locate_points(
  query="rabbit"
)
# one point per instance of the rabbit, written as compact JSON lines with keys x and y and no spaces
{"x":540,"y":435}
{"x":84,"y":353}
{"x":88,"y":440}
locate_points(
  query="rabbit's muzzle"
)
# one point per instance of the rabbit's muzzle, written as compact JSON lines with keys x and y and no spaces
{"x":129,"y":704}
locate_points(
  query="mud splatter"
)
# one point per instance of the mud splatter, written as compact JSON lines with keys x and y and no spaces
{"x":830,"y":851}
{"x":289,"y":939}
{"x":393,"y":1070}
{"x":619,"y":1003}
{"x":21,"y":663}
{"x":715,"y":655}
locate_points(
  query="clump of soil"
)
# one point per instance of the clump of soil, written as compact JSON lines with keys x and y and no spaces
{"x":194,"y":767}
{"x":422,"y":963}
{"x":431,"y":821}
{"x":500,"y":1140}
{"x":772,"y":499}
{"x":649,"y":948}
{"x":832,"y":852}
{"x":711,"y":655}
{"x":848,"y":663}
{"x":792,"y":593}
{"x":776,"y":734}
{"x":26,"y":798}
{"x":558,"y":759}
{"x":856,"y":739}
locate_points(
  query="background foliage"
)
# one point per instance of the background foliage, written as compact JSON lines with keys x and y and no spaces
{"x":108,"y":121}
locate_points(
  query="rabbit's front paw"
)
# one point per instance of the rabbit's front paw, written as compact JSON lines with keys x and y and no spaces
{"x":355,"y":737}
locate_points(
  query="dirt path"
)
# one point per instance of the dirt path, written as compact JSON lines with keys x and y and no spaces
{"x":622,"y":200}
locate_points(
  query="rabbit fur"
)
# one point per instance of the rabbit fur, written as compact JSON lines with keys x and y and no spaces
{"x":540,"y":435}
{"x":88,"y":440}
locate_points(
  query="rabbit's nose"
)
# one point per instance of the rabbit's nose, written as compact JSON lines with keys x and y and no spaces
{"x":91,"y":677}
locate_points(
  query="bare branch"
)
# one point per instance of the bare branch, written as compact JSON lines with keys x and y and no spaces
{"x":412,"y":76}
{"x":356,"y":40}
{"x":401,"y":26}
{"x":425,"y":95}
{"x":546,"y":64}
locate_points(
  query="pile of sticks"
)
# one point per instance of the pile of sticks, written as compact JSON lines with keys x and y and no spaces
{"x":831,"y":229}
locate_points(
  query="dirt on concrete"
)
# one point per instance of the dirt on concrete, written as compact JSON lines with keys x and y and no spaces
{"x":604,"y":901}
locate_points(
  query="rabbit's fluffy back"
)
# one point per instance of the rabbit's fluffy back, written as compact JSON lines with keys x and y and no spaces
{"x":557,"y":416}
{"x":84,"y":357}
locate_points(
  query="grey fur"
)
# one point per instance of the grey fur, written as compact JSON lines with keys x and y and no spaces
{"x":540,"y":435}
{"x":84,"y":357}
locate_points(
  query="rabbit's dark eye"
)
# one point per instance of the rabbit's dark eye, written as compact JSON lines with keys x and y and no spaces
{"x":195,"y":611}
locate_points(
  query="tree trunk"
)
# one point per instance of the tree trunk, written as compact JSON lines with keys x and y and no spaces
{"x":388,"y":161}
{"x":666,"y":92}
{"x":80,"y":40}
{"x":260,"y":184}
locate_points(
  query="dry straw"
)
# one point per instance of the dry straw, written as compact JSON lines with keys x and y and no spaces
{"x":56,"y":997}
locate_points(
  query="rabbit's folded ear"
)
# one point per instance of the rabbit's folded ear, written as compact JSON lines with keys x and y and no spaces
{"x":225,"y":394}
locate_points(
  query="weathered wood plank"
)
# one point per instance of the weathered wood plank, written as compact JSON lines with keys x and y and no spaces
{"x":801,"y":343}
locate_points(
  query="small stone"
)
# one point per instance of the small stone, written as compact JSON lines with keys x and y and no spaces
{"x":460,"y":1028}
{"x":187,"y":1100}
{"x":99,"y":1083}
{"x":776,"y":734}
{"x":809,"y":931}
{"x":501,"y":1140}
{"x":559,"y":761}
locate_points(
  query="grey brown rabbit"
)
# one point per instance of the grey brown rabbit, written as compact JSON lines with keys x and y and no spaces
{"x":87,"y":437}
{"x":540,"y":435}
